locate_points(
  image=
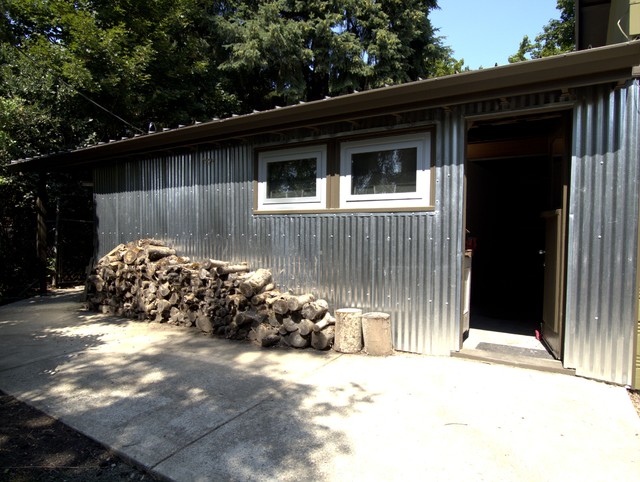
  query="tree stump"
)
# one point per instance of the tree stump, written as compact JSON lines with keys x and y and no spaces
{"x":376,"y":328}
{"x":348,"y":337}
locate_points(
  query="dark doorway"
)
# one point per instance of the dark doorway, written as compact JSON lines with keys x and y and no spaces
{"x":505,"y":198}
{"x":515,"y":172}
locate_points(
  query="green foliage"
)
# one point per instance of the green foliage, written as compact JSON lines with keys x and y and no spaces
{"x":557,"y":37}
{"x":286,"y":51}
{"x":448,"y":65}
{"x":176,"y":61}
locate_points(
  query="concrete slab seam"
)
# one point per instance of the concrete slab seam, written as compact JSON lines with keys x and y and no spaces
{"x":197,"y":439}
{"x":217,"y":427}
{"x":41,"y":359}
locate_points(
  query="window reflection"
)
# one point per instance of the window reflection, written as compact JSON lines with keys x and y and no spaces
{"x":383,"y":172}
{"x":291,"y":179}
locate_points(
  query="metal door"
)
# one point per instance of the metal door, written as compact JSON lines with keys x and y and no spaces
{"x":552,"y":313}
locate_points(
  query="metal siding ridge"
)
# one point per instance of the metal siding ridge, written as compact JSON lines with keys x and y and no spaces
{"x":603,"y":225}
{"x":408,"y":264}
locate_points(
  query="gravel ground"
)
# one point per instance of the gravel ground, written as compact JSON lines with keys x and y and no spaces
{"x":36,"y":447}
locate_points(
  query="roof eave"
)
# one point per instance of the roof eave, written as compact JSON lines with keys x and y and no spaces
{"x":605,"y":64}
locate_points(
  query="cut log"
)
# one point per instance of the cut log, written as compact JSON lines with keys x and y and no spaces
{"x":204,"y":323}
{"x":151,"y":242}
{"x":296,"y":340}
{"x":174,"y":298}
{"x":270,"y":340}
{"x":145,"y":279}
{"x":305,"y":327}
{"x":348,"y":337}
{"x":271,"y":297}
{"x":267,"y":288}
{"x":281,"y":304}
{"x":295,"y":303}
{"x":323,"y":340}
{"x":376,"y":330}
{"x":176,"y":316}
{"x":164,"y":290}
{"x":254,"y":283}
{"x":131,"y":255}
{"x":162,"y":305}
{"x":232,"y":268}
{"x":115,"y":252}
{"x":155,"y":253}
{"x":289,"y":324}
{"x":326,"y":320}
{"x":315,"y":309}
{"x":275,"y":320}
{"x":239,"y":300}
{"x":97,"y":282}
{"x":264,"y":298}
{"x":246,"y":317}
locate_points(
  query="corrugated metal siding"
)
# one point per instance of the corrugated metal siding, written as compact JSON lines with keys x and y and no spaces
{"x":636,"y":381}
{"x":406,"y":264}
{"x":603,"y":232}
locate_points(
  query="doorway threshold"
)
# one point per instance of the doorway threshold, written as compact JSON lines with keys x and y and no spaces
{"x":520,"y":361}
{"x":513,"y":349}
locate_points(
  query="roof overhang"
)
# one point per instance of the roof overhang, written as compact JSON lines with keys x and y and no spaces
{"x":577,"y":69}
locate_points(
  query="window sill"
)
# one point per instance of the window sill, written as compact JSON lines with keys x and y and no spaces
{"x":257,"y":212}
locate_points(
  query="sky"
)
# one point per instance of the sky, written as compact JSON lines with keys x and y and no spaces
{"x":483,"y":32}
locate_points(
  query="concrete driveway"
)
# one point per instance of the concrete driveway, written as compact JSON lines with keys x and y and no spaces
{"x":189,"y":407}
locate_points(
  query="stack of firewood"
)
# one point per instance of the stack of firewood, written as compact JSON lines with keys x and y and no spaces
{"x":147,"y":280}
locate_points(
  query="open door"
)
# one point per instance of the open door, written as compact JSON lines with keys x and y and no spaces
{"x":553,"y":281}
{"x":516,"y":169}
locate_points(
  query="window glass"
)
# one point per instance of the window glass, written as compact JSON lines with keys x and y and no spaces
{"x":295,"y":178}
{"x":384,"y":172}
{"x":292,"y":179}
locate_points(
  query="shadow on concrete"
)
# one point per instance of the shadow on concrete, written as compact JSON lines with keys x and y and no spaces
{"x":172,"y":394}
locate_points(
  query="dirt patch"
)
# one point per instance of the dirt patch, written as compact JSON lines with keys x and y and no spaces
{"x":34,"y":446}
{"x":635,"y":399}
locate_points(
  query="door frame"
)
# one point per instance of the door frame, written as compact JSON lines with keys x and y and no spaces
{"x":565,"y":114}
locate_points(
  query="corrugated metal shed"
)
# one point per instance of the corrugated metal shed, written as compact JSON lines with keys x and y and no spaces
{"x":406,"y":264}
{"x":193,"y":187}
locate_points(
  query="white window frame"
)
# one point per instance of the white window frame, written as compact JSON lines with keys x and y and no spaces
{"x":421,"y":198}
{"x":319,"y":201}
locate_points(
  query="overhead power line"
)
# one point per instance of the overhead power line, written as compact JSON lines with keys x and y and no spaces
{"x":84,"y":96}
